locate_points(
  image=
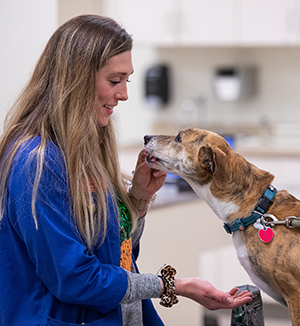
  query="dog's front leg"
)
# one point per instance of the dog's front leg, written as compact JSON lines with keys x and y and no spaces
{"x":294,"y":308}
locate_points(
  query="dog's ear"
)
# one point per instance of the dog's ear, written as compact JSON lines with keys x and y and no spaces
{"x":214,"y":161}
{"x":206,"y":156}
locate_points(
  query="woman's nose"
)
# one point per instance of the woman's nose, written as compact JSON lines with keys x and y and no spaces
{"x":122,"y":94}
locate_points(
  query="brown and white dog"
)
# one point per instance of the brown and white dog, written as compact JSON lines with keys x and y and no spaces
{"x":232,"y":187}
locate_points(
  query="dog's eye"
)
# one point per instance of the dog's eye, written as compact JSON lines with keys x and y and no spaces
{"x":178,"y":138}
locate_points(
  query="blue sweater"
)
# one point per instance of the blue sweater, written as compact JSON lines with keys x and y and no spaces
{"x":47,"y":277}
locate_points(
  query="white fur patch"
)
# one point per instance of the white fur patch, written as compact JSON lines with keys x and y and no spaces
{"x":220,"y":208}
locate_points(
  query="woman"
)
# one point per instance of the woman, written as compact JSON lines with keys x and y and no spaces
{"x":69,"y":225}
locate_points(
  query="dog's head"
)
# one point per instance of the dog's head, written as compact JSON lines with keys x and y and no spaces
{"x":196,"y":155}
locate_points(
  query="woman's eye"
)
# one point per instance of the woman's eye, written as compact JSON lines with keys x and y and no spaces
{"x":115,"y":82}
{"x":178,"y":139}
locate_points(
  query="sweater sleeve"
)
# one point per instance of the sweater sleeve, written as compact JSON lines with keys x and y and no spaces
{"x":58,"y":256}
{"x":141,"y":286}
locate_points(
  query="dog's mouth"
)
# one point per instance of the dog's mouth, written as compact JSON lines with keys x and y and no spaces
{"x":152,"y":159}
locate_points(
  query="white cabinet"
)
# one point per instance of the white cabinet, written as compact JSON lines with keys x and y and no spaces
{"x":207,"y":22}
{"x":178,"y":22}
{"x":212,"y":22}
{"x":270,"y":22}
{"x":150,"y":22}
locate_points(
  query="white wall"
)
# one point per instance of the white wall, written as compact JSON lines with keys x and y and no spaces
{"x":277,"y":99}
{"x":71,"y":8}
{"x":25,"y":27}
{"x":278,"y":95}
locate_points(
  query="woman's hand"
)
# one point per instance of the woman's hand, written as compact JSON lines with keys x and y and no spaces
{"x":146,"y":181}
{"x":208,"y":296}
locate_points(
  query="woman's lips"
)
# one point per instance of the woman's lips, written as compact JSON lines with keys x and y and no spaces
{"x":109,"y":109}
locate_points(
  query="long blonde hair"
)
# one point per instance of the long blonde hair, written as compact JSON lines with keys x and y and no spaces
{"x":58,"y":104}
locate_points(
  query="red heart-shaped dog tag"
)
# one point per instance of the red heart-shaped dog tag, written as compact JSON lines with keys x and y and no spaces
{"x":266,"y":235}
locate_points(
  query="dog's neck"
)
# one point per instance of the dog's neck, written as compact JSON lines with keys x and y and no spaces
{"x":238,"y":198}
{"x":221,"y":208}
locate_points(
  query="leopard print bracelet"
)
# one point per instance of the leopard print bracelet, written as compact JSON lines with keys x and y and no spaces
{"x":168,"y":297}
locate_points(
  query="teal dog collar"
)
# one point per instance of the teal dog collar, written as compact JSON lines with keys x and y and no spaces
{"x":264,"y":202}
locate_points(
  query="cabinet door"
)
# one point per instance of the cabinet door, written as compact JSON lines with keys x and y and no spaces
{"x":208,"y":22}
{"x":270,"y":22}
{"x":149,"y":22}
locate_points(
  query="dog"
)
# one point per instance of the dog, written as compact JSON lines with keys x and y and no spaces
{"x":242,"y":195}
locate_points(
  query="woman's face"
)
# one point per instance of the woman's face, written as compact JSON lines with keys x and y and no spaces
{"x":111,"y":85}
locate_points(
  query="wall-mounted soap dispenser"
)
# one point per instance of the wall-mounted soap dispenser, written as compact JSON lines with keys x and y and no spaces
{"x":234,"y":83}
{"x":157,"y":85}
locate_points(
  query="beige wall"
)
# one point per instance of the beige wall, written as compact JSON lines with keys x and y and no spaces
{"x":71,"y":8}
{"x":278,"y":97}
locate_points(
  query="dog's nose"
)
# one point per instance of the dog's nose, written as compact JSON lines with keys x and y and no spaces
{"x":147,"y":138}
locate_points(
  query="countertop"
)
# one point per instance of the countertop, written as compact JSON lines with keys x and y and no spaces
{"x":171,"y":195}
{"x":268,"y":151}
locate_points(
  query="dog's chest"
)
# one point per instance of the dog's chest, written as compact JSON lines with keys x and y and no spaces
{"x":244,"y":260}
